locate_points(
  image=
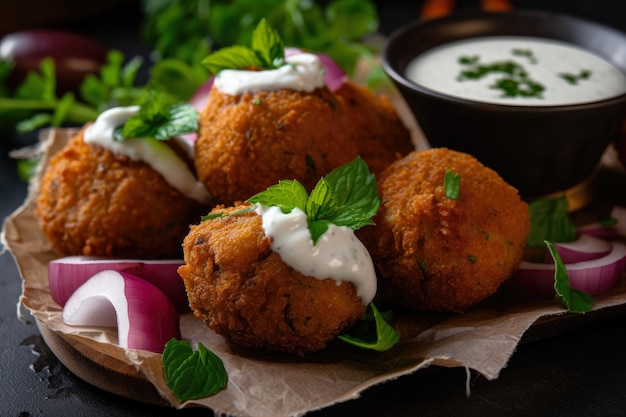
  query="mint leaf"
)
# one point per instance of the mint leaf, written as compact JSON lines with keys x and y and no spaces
{"x":574,"y":300}
{"x":317,"y":228}
{"x":452,"y":184}
{"x":351,"y":217}
{"x":347,"y":196}
{"x":267,"y":51}
{"x":353,"y":185}
{"x":232,"y":57}
{"x":192,"y":374}
{"x":159,"y":120}
{"x":373,"y":332}
{"x":322,"y":203}
{"x":268,"y":45}
{"x":549,"y":220}
{"x":287,"y":194}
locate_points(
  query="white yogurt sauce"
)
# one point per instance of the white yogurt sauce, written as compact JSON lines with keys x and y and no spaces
{"x":154,"y":152}
{"x":302,"y":72}
{"x":438,"y":69}
{"x":338,"y":254}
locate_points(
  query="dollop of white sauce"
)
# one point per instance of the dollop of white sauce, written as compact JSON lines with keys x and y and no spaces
{"x":438,"y":69}
{"x":338,"y":254}
{"x":152,"y":151}
{"x":302,"y":72}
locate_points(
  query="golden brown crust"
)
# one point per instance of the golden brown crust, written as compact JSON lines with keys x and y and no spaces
{"x":246,"y":293}
{"x":438,"y":254}
{"x":381,"y":135}
{"x":249,"y":142}
{"x":92,"y":202}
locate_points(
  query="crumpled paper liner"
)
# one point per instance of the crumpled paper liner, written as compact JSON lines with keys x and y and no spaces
{"x":482,"y":339}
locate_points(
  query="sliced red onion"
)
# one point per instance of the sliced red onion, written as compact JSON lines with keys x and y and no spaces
{"x":145,"y":318}
{"x":584,"y":248}
{"x":65,"y":275}
{"x":598,"y":229}
{"x":593,"y":276}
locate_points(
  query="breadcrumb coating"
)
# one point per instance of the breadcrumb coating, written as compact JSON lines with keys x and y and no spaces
{"x":434,"y":253}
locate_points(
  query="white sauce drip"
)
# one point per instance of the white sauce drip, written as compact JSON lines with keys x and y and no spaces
{"x":338,"y":254}
{"x":303,"y":72}
{"x":154,"y":152}
{"x":438,"y":69}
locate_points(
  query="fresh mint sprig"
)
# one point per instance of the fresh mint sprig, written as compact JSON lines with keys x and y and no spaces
{"x":159,"y":119}
{"x":573,"y":300}
{"x":372,"y":332}
{"x":265,"y":52}
{"x":192,"y":374}
{"x":550,"y":220}
{"x":347,"y":196}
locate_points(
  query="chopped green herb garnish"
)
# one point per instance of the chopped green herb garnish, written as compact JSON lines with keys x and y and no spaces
{"x":452,"y":184}
{"x":471,"y":258}
{"x":550,"y":220}
{"x":217,"y":215}
{"x":526,"y":53}
{"x":514,"y":83}
{"x":347,"y":196}
{"x":574,"y":78}
{"x":159,"y":120}
{"x":266,"y":52}
{"x":373,"y":331}
{"x":574,"y":300}
{"x":192,"y":374}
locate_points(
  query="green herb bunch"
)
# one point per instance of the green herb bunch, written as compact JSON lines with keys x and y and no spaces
{"x":190,"y":30}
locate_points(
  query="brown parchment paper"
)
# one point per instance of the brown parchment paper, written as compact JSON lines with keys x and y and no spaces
{"x":482,"y":339}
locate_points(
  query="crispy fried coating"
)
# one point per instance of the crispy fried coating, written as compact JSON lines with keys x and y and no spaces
{"x":381,"y":135}
{"x":249,"y":142}
{"x":434,"y":253}
{"x":93,"y":202}
{"x":246,"y":293}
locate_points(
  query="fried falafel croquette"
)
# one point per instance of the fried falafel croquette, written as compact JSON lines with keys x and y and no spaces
{"x":248,"y":142}
{"x":435,"y":253}
{"x":382,"y":137}
{"x":95,"y":203}
{"x":243,"y":290}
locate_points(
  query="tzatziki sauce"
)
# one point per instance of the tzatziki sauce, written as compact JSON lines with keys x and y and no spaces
{"x":302,"y":72}
{"x":156,"y":153}
{"x":338,"y":254}
{"x":546,"y":72}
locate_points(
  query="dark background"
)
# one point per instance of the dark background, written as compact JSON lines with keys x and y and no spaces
{"x":579,"y":372}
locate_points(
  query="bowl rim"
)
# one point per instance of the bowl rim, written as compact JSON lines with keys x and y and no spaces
{"x":468,"y":15}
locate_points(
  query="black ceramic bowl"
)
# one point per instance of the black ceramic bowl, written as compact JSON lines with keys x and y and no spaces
{"x":540,"y":150}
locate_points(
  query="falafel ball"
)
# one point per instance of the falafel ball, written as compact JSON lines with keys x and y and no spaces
{"x":95,"y":203}
{"x":244,"y":291}
{"x":249,"y":142}
{"x":436,"y":253}
{"x":382,"y":137}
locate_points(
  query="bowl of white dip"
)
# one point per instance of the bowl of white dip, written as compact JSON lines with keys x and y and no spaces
{"x":536,"y":96}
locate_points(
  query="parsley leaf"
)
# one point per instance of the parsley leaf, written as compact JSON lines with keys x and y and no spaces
{"x":372,"y":332}
{"x":574,"y":300}
{"x":549,"y":220}
{"x":192,"y":374}
{"x":347,"y":196}
{"x":159,"y":120}
{"x":452,"y":184}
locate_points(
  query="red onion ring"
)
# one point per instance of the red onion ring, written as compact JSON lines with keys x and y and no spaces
{"x":592,"y":276}
{"x":145,"y":318}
